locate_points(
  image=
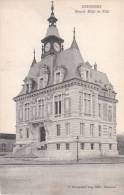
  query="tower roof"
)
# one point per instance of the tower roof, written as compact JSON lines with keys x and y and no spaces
{"x":74,"y":43}
{"x":34,"y":59}
{"x":52,"y":19}
{"x":52,"y":30}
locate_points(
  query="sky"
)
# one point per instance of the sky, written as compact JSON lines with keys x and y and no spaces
{"x":23,"y":24}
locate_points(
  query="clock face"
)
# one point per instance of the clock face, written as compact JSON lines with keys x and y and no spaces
{"x":56,"y":47}
{"x":47,"y":47}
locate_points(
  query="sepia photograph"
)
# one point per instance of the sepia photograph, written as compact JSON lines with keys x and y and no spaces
{"x":61,"y":97}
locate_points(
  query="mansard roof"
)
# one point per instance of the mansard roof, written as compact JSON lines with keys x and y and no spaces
{"x":70,"y":59}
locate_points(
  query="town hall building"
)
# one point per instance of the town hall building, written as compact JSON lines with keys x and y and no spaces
{"x":67,"y":107}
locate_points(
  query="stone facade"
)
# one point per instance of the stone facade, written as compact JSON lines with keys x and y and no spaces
{"x":66,"y":108}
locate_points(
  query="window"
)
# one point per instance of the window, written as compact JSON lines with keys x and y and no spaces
{"x":82,"y":129}
{"x":67,"y":127}
{"x":41,"y":83}
{"x":105,"y":112}
{"x":27,"y":88}
{"x":110,"y":114}
{"x":33,"y":113}
{"x":93,"y":105}
{"x":20,"y":113}
{"x":110,"y":146}
{"x":114,"y":112}
{"x":91,"y":130}
{"x":49,"y":108}
{"x":87,"y":103}
{"x":67,"y":106}
{"x":110,"y":131}
{"x":20,"y":134}
{"x":105,"y":131}
{"x":58,"y":129}
{"x":27,"y":132}
{"x":3,"y":147}
{"x":100,"y":132}
{"x":58,"y":105}
{"x":92,"y":146}
{"x":58,"y":77}
{"x":41,"y":108}
{"x":99,"y":110}
{"x":82,"y":146}
{"x":67,"y":146}
{"x":27,"y":111}
{"x":58,"y":146}
{"x":100,"y":147}
{"x":87,"y":75}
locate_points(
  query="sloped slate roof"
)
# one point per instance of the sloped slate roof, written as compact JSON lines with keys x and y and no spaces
{"x":70,"y":59}
{"x":99,"y":77}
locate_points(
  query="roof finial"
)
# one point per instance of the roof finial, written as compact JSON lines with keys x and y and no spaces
{"x":52,"y":8}
{"x":34,"y":52}
{"x":74,"y":34}
{"x":34,"y":59}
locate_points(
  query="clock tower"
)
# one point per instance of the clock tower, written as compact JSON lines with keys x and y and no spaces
{"x":52,"y":43}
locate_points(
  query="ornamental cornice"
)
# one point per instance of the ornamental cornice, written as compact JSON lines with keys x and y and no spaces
{"x":108,"y":99}
{"x":54,"y":87}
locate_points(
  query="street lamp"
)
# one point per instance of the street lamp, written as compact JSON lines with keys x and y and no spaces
{"x":77,"y":139}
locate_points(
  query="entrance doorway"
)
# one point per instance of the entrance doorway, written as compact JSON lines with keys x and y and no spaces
{"x":42,"y":134}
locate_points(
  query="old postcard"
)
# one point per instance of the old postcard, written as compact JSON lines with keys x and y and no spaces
{"x":61,"y":102}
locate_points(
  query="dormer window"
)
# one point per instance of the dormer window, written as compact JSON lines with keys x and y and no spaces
{"x":29,"y":85}
{"x":58,"y":77}
{"x":27,"y":88}
{"x":87,"y":75}
{"x":59,"y":74}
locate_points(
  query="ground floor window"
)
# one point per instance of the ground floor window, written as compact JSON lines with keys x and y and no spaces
{"x":67,"y":146}
{"x":82,"y":146}
{"x":110,"y":146}
{"x":3,"y":147}
{"x":92,"y":146}
{"x":58,"y":146}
